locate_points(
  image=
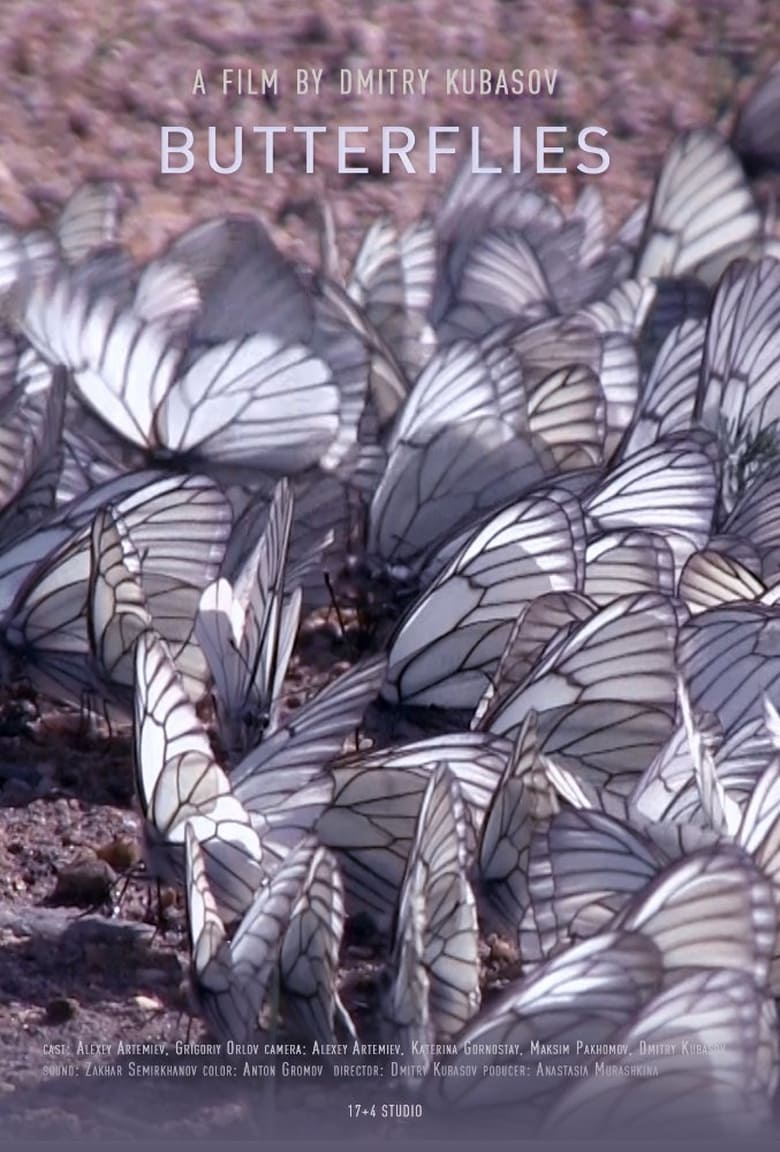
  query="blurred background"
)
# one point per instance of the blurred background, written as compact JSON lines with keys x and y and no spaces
{"x":85,"y":87}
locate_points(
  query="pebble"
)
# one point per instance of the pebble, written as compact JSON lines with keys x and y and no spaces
{"x":121,"y":853}
{"x":61,"y":1009}
{"x":86,"y":883}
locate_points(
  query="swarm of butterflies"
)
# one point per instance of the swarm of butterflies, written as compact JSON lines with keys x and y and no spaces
{"x":541,"y":464}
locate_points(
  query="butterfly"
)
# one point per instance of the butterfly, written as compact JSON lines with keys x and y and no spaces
{"x":702,"y":213}
{"x":231,"y":977}
{"x":434,"y":986}
{"x":247,"y":633}
{"x":449,"y":642}
{"x":604,"y":691}
{"x":178,"y":781}
{"x":700,"y":1059}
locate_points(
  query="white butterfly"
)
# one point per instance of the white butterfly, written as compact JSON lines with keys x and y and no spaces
{"x":231,"y":977}
{"x":434,"y":960}
{"x":712,"y":909}
{"x":260,"y":399}
{"x":247,"y":632}
{"x":702,"y":213}
{"x":523,"y":798}
{"x":604,"y":692}
{"x":701,"y":1059}
{"x":368,"y":814}
{"x":737,"y":393}
{"x":168,"y":536}
{"x":575,"y":1000}
{"x":450,"y":641}
{"x":178,"y":781}
{"x":729,"y":659}
{"x":309,"y":957}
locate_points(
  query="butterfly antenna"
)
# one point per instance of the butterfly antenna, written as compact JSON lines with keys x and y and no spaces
{"x":335,"y":605}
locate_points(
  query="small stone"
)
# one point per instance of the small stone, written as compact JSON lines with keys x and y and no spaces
{"x":148,"y":1003}
{"x":502,"y":950}
{"x":86,"y":883}
{"x":61,"y":1009}
{"x":121,"y":853}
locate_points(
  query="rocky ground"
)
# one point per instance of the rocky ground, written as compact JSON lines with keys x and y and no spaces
{"x":83,"y":92}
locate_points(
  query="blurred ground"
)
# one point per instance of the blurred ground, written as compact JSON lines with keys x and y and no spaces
{"x":83,"y":92}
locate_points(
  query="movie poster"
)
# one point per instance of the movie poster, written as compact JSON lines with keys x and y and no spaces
{"x":389,"y":569}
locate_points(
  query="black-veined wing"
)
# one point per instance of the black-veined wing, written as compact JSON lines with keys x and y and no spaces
{"x":555,"y":1018}
{"x":700,"y":1059}
{"x":93,"y":453}
{"x":670,"y":788}
{"x":567,"y":411}
{"x":31,"y":419}
{"x":462,"y":381}
{"x":117,"y":610}
{"x":756,"y":517}
{"x":123,"y":601}
{"x":449,"y":643}
{"x":231,"y":978}
{"x":759,"y":834}
{"x":121,"y":366}
{"x":620,"y":380}
{"x":248,"y":287}
{"x":309,"y":957}
{"x":729,"y":659}
{"x":89,"y":220}
{"x":258,"y":401}
{"x":604,"y":693}
{"x":540,"y":623}
{"x":711,"y":579}
{"x":436,"y":918}
{"x":623,"y":309}
{"x":44,"y":627}
{"x":712,"y":909}
{"x":251,"y":402}
{"x":669,"y":394}
{"x":522,"y":799}
{"x":387,"y":384}
{"x":179,"y":781}
{"x":674,"y":839}
{"x":627,"y":563}
{"x":437,"y":483}
{"x":392,"y":279}
{"x":369,"y":822}
{"x":321,"y":532}
{"x":499,"y":278}
{"x":567,"y":368}
{"x":247,"y":632}
{"x":310,"y":738}
{"x":669,"y":487}
{"x":178,"y":524}
{"x":582,"y":868}
{"x":702,"y":213}
{"x":736,"y":393}
{"x":370,"y":817}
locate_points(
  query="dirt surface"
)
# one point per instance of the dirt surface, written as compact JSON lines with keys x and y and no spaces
{"x":83,"y":92}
